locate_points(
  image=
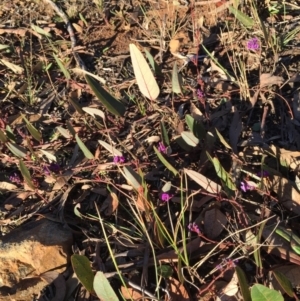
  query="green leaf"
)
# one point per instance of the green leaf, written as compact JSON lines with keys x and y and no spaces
{"x":84,"y":149}
{"x":195,"y":126}
{"x":3,"y":137}
{"x":165,"y":271}
{"x":152,"y":62}
{"x":50,"y":156}
{"x":244,"y":19}
{"x":41,"y":31}
{"x":76,"y":105}
{"x":243,"y":284}
{"x":17,"y":150}
{"x":62,"y":67}
{"x":132,"y":177}
{"x":64,"y":132}
{"x":143,"y":74}
{"x":165,"y":162}
{"x":112,"y":104}
{"x":33,"y":131}
{"x":93,"y":112}
{"x":262,"y":293}
{"x":190,"y":138}
{"x":26,"y":174}
{"x":110,"y":148}
{"x":176,"y":85}
{"x":9,"y":133}
{"x":2,"y":46}
{"x":82,"y":269}
{"x":221,"y":172}
{"x":164,"y":134}
{"x":284,"y":282}
{"x":203,"y":181}
{"x":224,"y":142}
{"x":103,"y":288}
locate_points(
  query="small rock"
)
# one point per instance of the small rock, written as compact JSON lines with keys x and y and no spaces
{"x":30,"y":250}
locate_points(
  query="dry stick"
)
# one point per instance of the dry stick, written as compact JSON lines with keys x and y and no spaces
{"x":78,"y":60}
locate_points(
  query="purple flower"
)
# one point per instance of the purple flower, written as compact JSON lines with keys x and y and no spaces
{"x":263,"y":174}
{"x":193,"y":227}
{"x":245,"y":186}
{"x":200,"y":93}
{"x":165,"y":196}
{"x":53,"y":167}
{"x":118,"y":159}
{"x":253,"y":44}
{"x":161,"y":148}
{"x":15,"y":178}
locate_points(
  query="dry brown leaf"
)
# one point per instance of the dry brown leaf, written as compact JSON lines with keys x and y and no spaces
{"x":267,"y":79}
{"x":15,"y":68}
{"x":291,"y":272}
{"x":214,"y":222}
{"x":7,"y":186}
{"x":287,"y":157}
{"x":19,"y":31}
{"x":287,"y":194}
{"x":222,"y":74}
{"x":230,"y":289}
{"x":177,"y":290}
{"x":110,"y":205}
{"x":174,"y":46}
{"x":130,"y":293}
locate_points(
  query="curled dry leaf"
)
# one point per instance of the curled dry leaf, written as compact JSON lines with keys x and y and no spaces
{"x":110,"y":205}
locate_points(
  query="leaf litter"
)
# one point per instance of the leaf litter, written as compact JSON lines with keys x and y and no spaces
{"x":95,"y":133}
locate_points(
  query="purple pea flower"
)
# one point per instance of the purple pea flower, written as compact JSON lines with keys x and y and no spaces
{"x":263,"y":174}
{"x":165,"y":196}
{"x":253,"y":44}
{"x":247,"y":185}
{"x":15,"y":178}
{"x":193,"y":227}
{"x":200,"y":93}
{"x":161,"y":148}
{"x":118,"y":159}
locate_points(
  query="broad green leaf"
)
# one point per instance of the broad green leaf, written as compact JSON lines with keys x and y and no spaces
{"x":260,"y":292}
{"x":33,"y":131}
{"x":64,"y":132}
{"x":132,"y":177}
{"x":244,"y":19}
{"x":94,"y":111}
{"x":180,"y":141}
{"x":17,"y":150}
{"x":224,"y":142}
{"x":204,"y":182}
{"x":221,"y":172}
{"x":112,"y":105}
{"x":243,"y":284}
{"x":103,"y":288}
{"x":26,"y":174}
{"x":82,"y":268}
{"x":3,"y":137}
{"x":164,"y":134}
{"x":41,"y":31}
{"x":176,"y":85}
{"x":165,"y":162}
{"x":62,"y":67}
{"x":284,"y":282}
{"x":9,"y":133}
{"x":144,"y":77}
{"x":110,"y":148}
{"x":165,"y":271}
{"x":84,"y":149}
{"x":195,"y":126}
{"x":190,"y":138}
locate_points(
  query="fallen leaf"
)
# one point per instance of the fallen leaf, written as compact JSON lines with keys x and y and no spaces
{"x":110,"y":205}
{"x":130,"y":293}
{"x":267,"y":79}
{"x":214,"y":222}
{"x":15,"y":68}
{"x":176,"y":290}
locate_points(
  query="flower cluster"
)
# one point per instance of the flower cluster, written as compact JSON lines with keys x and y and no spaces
{"x":247,"y":185}
{"x":118,"y":159}
{"x":193,"y":227}
{"x":15,"y":178}
{"x":165,"y":196}
{"x":161,"y":148}
{"x":253,"y":44}
{"x":200,"y":93}
{"x":53,"y":167}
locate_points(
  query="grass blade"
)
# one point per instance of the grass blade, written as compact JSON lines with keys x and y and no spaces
{"x":62,"y":67}
{"x":84,"y":149}
{"x":32,"y":130}
{"x":165,"y":162}
{"x":26,"y":174}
